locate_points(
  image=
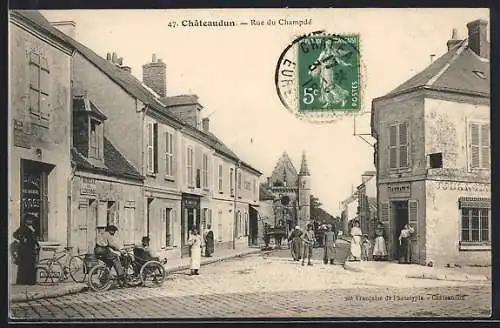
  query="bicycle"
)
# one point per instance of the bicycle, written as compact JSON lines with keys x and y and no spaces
{"x":51,"y":269}
{"x":150,"y":273}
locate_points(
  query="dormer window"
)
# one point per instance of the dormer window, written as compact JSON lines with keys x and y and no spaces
{"x":88,"y":129}
{"x":96,"y":139}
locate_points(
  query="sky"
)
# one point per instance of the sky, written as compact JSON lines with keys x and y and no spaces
{"x":231,"y":69}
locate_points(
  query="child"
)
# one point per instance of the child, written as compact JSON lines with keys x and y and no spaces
{"x":365,"y":246}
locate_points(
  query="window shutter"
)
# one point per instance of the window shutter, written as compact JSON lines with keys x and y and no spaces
{"x":403,"y":145}
{"x":413,"y":214}
{"x":150,"y":147}
{"x":474,"y":132}
{"x":155,"y":147}
{"x":384,"y":213}
{"x":485,"y":146}
{"x":393,"y":147}
{"x":163,"y":232}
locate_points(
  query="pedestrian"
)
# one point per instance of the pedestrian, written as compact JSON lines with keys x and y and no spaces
{"x":108,"y":248}
{"x":296,"y":243}
{"x":308,"y":241}
{"x":267,"y":236}
{"x":208,"y":237}
{"x":194,"y":243}
{"x":27,"y":251}
{"x":379,"y":249}
{"x":329,"y":242}
{"x":405,"y":244}
{"x":278,"y":235}
{"x":356,"y":241}
{"x":366,"y":245}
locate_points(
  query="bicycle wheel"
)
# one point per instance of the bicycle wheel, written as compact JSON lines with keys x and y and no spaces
{"x":100,"y":278}
{"x":77,"y":269}
{"x":55,"y":270}
{"x":132,"y":275}
{"x":42,"y":275}
{"x":152,"y":274}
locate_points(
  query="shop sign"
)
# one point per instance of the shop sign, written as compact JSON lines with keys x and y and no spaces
{"x":399,"y":190}
{"x":88,"y":187}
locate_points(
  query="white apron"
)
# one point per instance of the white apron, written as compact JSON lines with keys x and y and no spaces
{"x":195,"y":242}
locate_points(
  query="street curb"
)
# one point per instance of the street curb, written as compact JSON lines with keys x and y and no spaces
{"x":347,"y":266}
{"x":214,"y":260}
{"x":51,"y":293}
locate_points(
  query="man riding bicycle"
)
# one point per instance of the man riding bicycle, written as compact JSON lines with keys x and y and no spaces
{"x":108,"y":249}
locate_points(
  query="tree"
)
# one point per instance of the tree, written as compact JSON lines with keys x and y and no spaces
{"x":319,"y":214}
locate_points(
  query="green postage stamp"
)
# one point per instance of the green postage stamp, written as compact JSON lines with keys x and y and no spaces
{"x":318,"y":76}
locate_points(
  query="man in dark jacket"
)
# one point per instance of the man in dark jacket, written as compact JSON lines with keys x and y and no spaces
{"x":109,"y":250}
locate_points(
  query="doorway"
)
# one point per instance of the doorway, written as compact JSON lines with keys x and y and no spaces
{"x":34,"y":195}
{"x":400,"y":218}
{"x":190,"y":219}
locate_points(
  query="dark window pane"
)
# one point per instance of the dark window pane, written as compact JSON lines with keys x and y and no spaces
{"x":475,"y":222}
{"x":475,"y":235}
{"x":465,"y":220}
{"x":465,"y":234}
{"x":485,"y":235}
{"x":475,"y":212}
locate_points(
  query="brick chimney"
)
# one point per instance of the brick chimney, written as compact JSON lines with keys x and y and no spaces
{"x":67,"y":27}
{"x":205,"y":123}
{"x":454,"y":40}
{"x":477,"y":38}
{"x":154,"y":75}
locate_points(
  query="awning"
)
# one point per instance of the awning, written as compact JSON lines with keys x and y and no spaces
{"x":474,"y":202}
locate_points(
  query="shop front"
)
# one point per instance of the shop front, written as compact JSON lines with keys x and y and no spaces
{"x":190,"y":219}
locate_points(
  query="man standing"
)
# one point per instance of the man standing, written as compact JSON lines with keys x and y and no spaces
{"x":308,"y":239}
{"x":296,"y":242}
{"x":208,"y":237}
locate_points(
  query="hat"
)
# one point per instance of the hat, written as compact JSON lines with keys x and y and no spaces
{"x":297,"y":227}
{"x":111,"y":228}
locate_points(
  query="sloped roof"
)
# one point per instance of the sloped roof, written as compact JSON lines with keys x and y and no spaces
{"x":284,"y":166}
{"x":454,"y":71}
{"x":115,"y":163}
{"x":81,"y":104}
{"x":128,"y":82}
{"x":181,"y":100}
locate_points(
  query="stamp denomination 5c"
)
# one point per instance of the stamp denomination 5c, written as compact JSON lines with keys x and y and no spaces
{"x":318,"y":76}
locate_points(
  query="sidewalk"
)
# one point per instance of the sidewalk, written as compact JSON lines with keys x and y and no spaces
{"x":27,"y":293}
{"x":385,"y":268}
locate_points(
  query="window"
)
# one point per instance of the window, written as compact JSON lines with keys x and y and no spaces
{"x":220,"y":230}
{"x":190,"y":167}
{"x":220,"y":178}
{"x":480,"y":146}
{"x":239,"y":180}
{"x":205,"y":171}
{"x":398,"y":146}
{"x":39,"y":86}
{"x":231,"y":181}
{"x":169,"y":154}
{"x":102,"y":215}
{"x":95,"y":140}
{"x":436,"y":160}
{"x":475,"y":225}
{"x":166,"y":228}
{"x":152,"y":146}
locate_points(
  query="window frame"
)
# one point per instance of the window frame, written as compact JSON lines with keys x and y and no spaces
{"x":99,"y":140}
{"x":397,"y":147}
{"x":204,"y":171}
{"x":220,"y":178}
{"x":152,"y":148}
{"x":190,"y":166}
{"x":481,"y":148}
{"x":41,"y":66}
{"x":169,"y":154}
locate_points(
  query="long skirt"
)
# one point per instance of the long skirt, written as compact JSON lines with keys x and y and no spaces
{"x":329,"y":253}
{"x":356,"y":246}
{"x":195,"y":258}
{"x":296,"y":248}
{"x":405,"y":250}
{"x":379,"y":248}
{"x":26,"y":272}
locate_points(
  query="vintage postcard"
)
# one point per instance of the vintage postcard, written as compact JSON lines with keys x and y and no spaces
{"x":249,"y":163}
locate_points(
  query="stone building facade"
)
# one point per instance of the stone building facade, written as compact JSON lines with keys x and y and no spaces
{"x":433,"y":155}
{"x":292,"y":192}
{"x":39,"y":137}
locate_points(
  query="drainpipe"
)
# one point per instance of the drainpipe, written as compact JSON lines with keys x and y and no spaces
{"x":69,"y":212}
{"x":234,"y":203}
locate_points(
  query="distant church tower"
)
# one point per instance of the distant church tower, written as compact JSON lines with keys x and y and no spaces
{"x":304,"y":213}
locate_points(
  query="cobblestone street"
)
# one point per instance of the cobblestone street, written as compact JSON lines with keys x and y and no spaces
{"x":270,"y":286}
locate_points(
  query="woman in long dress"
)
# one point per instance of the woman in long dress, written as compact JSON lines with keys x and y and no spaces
{"x":27,"y":252}
{"x":379,"y":249}
{"x":296,"y":243}
{"x":329,"y":244}
{"x":195,"y":244}
{"x":356,"y":241}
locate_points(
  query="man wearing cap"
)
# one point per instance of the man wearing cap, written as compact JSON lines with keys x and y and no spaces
{"x":108,"y":249}
{"x":308,"y":239}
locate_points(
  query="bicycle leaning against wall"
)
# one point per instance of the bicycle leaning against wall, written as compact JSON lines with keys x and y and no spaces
{"x":60,"y":266}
